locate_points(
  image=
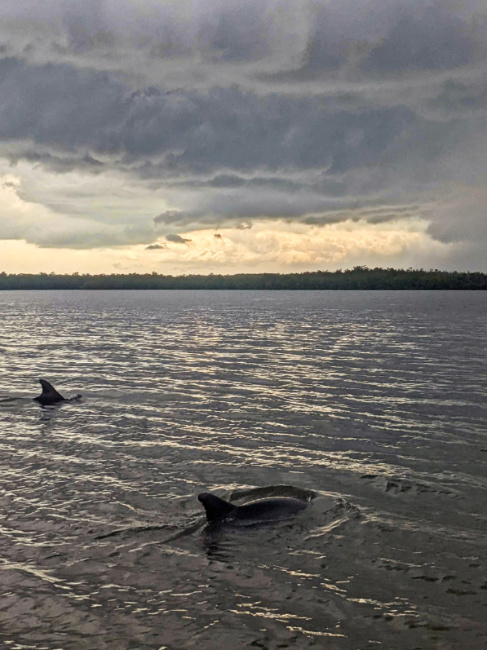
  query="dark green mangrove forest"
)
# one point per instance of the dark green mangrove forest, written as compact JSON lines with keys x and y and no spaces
{"x":360,"y":277}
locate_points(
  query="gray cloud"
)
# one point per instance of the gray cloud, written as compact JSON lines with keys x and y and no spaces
{"x":175,"y":217}
{"x":155,"y":134}
{"x":90,"y":237}
{"x":240,"y":40}
{"x":448,"y":224}
{"x":242,"y":111}
{"x":155,"y":247}
{"x":424,"y":36}
{"x":177,"y":239}
{"x":183,"y":131}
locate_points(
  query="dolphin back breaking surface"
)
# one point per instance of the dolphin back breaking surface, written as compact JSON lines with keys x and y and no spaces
{"x":262,"y":510}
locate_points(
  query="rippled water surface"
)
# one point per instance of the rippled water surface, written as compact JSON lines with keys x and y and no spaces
{"x":369,"y":404}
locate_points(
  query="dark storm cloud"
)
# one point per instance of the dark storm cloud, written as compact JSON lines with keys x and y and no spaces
{"x":457,"y":98}
{"x":423,"y":37}
{"x":337,"y":37}
{"x":58,"y":105}
{"x":384,"y":39}
{"x":72,"y":110}
{"x":236,"y":111}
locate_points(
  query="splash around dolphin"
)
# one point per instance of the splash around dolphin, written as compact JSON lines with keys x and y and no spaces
{"x":260,"y":511}
{"x":50,"y":395}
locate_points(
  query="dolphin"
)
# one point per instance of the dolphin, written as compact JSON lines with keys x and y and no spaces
{"x":50,"y":395}
{"x":262,"y":510}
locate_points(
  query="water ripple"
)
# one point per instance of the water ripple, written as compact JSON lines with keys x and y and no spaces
{"x":370,"y":404}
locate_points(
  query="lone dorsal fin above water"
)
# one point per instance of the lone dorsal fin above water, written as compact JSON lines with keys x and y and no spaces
{"x":49,"y":394}
{"x":215,"y":507}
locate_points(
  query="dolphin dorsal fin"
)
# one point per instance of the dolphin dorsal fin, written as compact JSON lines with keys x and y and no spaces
{"x":215,"y":507}
{"x":49,"y":392}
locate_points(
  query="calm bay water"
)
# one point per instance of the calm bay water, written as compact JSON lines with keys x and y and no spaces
{"x":370,"y":404}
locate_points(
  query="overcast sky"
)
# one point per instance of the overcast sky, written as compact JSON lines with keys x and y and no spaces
{"x":242,"y":135}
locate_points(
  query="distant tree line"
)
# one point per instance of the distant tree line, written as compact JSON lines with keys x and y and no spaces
{"x":360,"y":277}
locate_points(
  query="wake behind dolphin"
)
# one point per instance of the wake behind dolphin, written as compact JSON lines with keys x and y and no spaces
{"x":262,"y":510}
{"x":50,"y":395}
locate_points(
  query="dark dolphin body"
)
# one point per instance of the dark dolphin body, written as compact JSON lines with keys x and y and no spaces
{"x":50,"y":395}
{"x":262,"y":510}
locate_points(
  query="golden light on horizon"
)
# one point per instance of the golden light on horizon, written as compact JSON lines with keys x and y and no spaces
{"x":273,"y":246}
